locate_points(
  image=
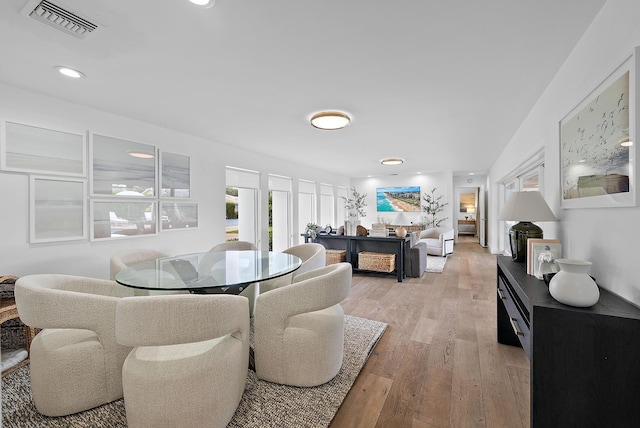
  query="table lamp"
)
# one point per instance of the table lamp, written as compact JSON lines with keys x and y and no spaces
{"x":525,"y":207}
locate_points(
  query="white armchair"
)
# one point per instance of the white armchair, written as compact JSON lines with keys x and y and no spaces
{"x":299,"y":329}
{"x":439,"y":240}
{"x":126,"y":258}
{"x":76,"y":363}
{"x":313,"y":256}
{"x":189,"y":365}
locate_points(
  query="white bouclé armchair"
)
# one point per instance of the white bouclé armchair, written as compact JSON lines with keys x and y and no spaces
{"x":439,"y":240}
{"x":299,"y":328}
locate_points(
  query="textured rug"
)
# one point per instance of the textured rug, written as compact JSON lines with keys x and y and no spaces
{"x":435,"y":264}
{"x":263,"y":404}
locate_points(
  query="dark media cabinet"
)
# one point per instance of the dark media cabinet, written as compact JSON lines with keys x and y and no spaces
{"x":585,"y":362}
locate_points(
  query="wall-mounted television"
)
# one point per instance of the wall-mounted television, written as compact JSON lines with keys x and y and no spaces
{"x":396,"y":199}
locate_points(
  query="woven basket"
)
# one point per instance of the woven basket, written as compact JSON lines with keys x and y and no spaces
{"x":336,"y":256}
{"x":379,"y":262}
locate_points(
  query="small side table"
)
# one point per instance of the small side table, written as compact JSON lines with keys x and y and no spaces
{"x":9,"y":311}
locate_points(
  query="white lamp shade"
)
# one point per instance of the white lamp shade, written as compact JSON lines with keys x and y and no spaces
{"x":401,"y":220}
{"x":526,"y":206}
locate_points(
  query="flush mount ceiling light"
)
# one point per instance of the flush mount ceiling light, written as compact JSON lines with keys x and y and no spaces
{"x":69,"y":72}
{"x":392,"y":161}
{"x":203,"y":3}
{"x":330,"y":120}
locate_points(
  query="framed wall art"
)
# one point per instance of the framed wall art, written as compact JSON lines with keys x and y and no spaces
{"x":597,"y":144}
{"x":121,"y":219}
{"x":175,"y":176}
{"x":57,"y":209}
{"x":122,"y":168}
{"x":178,"y":215}
{"x":27,"y":148}
{"x":398,"y":199}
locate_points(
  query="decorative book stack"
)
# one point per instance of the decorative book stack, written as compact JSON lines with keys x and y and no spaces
{"x":379,"y":230}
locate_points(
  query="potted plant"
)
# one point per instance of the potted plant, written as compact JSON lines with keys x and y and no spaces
{"x":355,"y":205}
{"x":433,"y":207}
{"x":312,"y":231}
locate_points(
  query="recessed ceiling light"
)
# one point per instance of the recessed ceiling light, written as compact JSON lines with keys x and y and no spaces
{"x":69,"y":72}
{"x":330,"y":120}
{"x":392,"y":161}
{"x":203,"y":3}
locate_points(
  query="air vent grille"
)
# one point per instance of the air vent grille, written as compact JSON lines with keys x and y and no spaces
{"x":62,"y":19}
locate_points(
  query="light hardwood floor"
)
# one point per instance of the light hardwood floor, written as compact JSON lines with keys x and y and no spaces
{"x":438,"y":364}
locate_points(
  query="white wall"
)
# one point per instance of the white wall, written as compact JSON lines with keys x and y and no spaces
{"x":442,"y":181}
{"x":208,"y":161}
{"x":606,"y":236}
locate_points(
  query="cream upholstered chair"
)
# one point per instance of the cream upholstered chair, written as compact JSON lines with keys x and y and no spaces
{"x":126,"y":258}
{"x":299,"y":329}
{"x":234,"y":246}
{"x":439,"y":240}
{"x":76,"y":363}
{"x":313,"y":256}
{"x":189,"y":364}
{"x":251,"y":292}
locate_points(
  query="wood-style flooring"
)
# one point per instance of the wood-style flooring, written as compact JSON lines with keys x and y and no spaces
{"x":438,"y":364}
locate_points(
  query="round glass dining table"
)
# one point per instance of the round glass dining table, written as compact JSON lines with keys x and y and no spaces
{"x":212,"y":272}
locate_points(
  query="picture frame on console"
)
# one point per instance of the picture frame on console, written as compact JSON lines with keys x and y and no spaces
{"x":597,"y":150}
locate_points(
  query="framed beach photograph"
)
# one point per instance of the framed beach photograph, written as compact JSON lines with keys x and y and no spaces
{"x":398,"y":199}
{"x":597,"y":150}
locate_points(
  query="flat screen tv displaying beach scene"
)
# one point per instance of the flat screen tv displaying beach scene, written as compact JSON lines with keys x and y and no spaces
{"x":395,"y":199}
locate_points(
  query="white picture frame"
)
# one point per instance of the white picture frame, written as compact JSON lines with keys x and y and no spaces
{"x":117,"y":219}
{"x":596,"y":170}
{"x":175,"y":176}
{"x":549,"y":265}
{"x":57,"y":208}
{"x":122,"y":168}
{"x":35,"y":149}
{"x":178,"y":215}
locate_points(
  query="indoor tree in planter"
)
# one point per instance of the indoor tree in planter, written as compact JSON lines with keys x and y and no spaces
{"x":355,"y":206}
{"x":433,"y":207}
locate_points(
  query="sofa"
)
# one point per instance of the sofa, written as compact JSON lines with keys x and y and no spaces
{"x":439,"y":240}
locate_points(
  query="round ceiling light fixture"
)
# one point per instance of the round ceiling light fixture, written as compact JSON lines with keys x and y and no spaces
{"x":330,"y":120}
{"x":392,"y":161}
{"x":203,"y":3}
{"x":69,"y":72}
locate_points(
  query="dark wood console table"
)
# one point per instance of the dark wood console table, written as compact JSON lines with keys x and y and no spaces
{"x":585,"y":362}
{"x":355,"y":244}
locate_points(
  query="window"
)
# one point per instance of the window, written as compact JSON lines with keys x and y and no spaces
{"x":242,"y":205}
{"x":306,"y":206}
{"x":327,"y":205}
{"x":279,"y":213}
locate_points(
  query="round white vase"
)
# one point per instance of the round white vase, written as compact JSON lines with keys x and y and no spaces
{"x":572,"y":285}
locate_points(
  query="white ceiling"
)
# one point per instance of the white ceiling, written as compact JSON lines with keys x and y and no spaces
{"x":443,"y":84}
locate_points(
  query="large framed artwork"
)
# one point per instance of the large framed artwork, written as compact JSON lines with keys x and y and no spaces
{"x":396,"y":199}
{"x":33,"y":149}
{"x":597,"y":144}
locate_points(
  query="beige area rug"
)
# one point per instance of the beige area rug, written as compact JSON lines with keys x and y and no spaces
{"x":435,"y":264}
{"x":263,"y":404}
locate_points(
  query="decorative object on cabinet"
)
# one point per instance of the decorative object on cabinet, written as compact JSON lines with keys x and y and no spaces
{"x":394,"y":199}
{"x":525,"y":207}
{"x":538,"y":245}
{"x":597,"y":143}
{"x":401,"y":231}
{"x":361,"y":230}
{"x":433,"y":207}
{"x":572,"y":285}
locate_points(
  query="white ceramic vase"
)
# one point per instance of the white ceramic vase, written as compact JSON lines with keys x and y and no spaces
{"x":572,"y":285}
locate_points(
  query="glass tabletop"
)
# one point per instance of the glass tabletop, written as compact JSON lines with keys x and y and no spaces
{"x":210,"y":272}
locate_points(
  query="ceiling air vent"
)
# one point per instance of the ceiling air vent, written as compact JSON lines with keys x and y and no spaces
{"x":60,"y":18}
